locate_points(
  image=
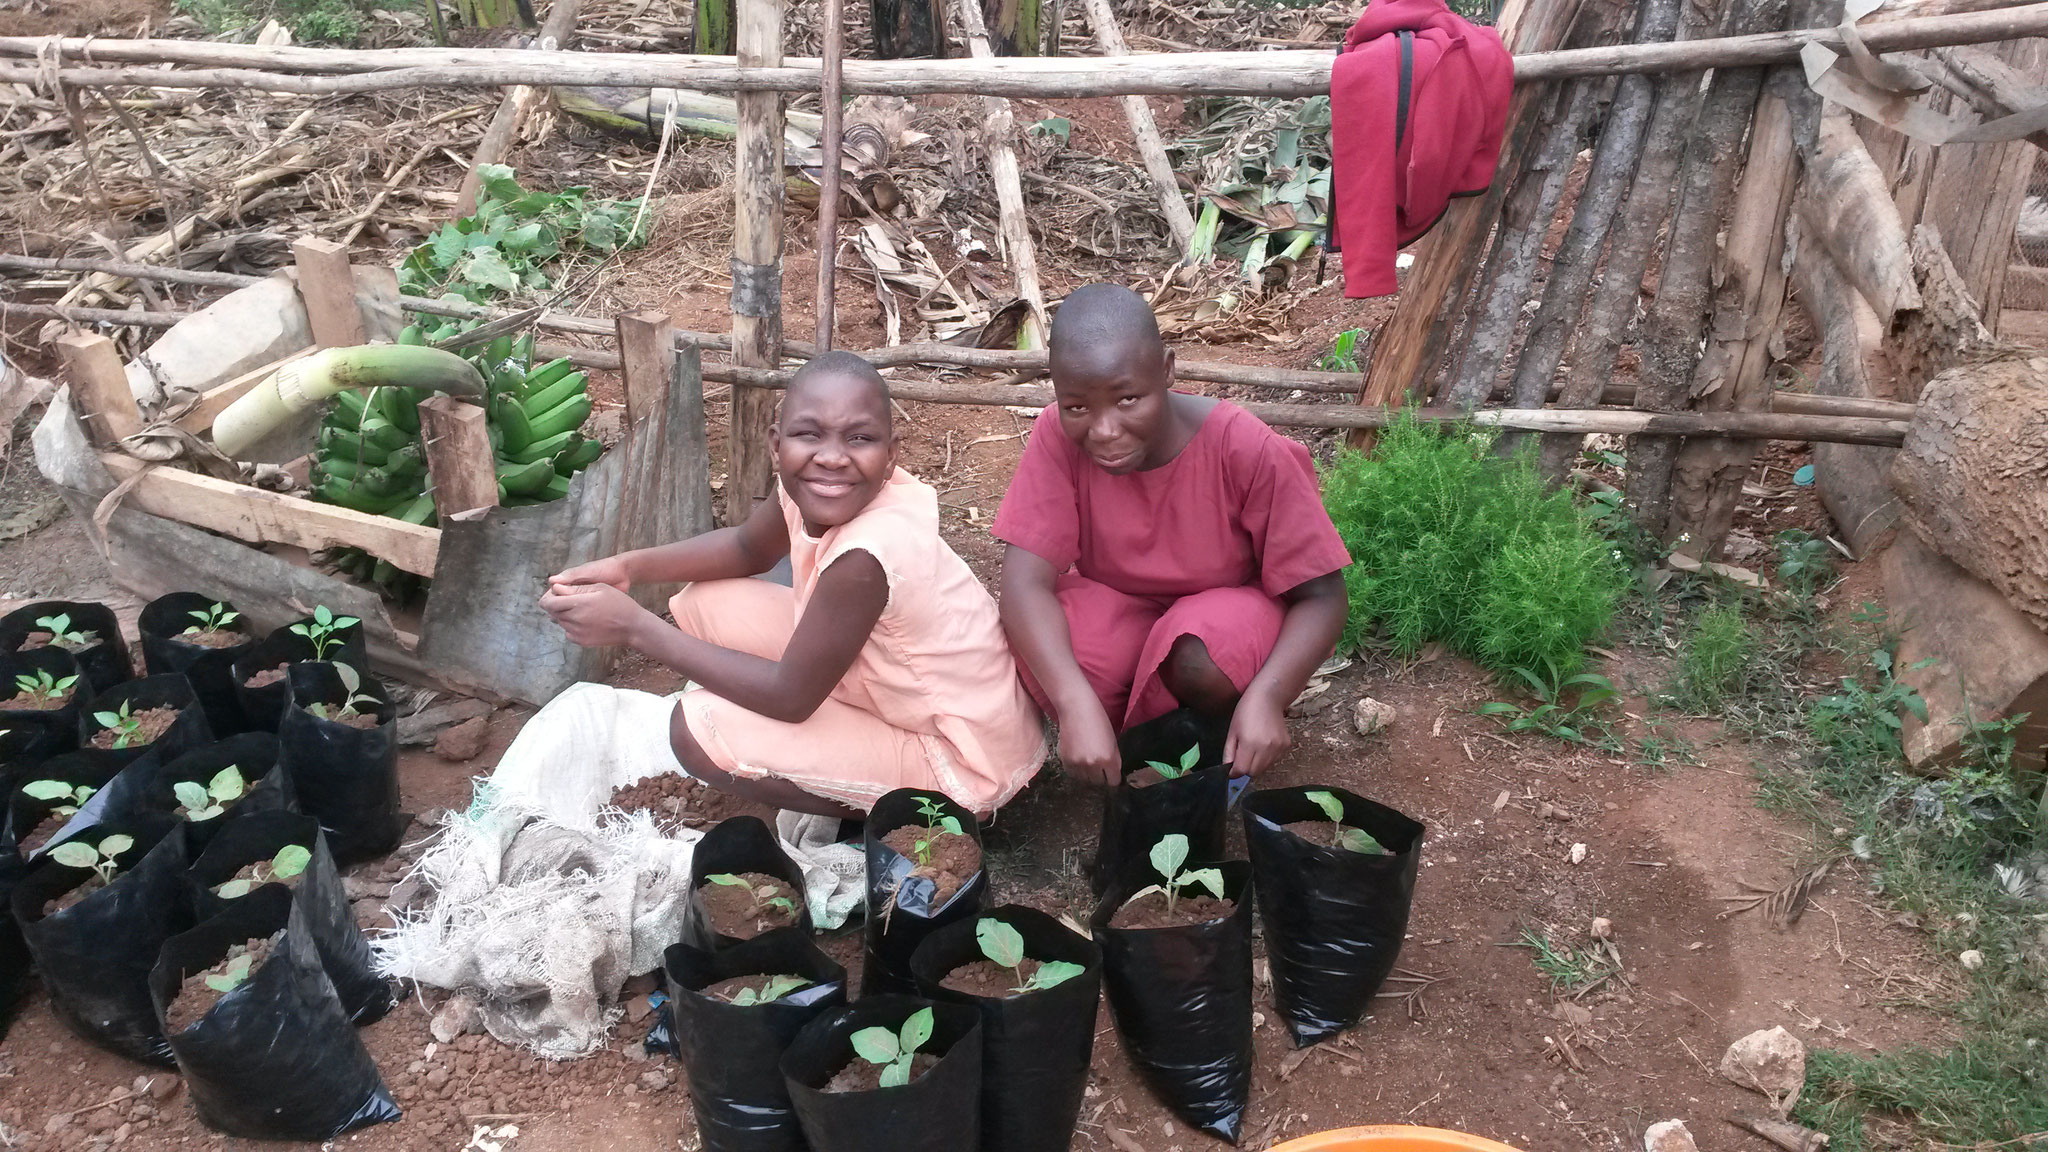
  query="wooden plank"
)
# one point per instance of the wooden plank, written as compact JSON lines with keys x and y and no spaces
{"x":647,"y":355}
{"x":262,"y":517}
{"x":460,"y":462}
{"x":329,"y":289}
{"x":217,"y":398}
{"x":99,"y":385}
{"x":667,"y":494}
{"x":756,"y":257}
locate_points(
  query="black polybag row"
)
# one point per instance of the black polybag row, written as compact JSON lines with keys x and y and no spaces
{"x":1182,"y":1000}
{"x":345,"y":777}
{"x":1196,"y":805}
{"x":211,"y":670}
{"x":1334,"y":918}
{"x":1035,"y":1046}
{"x":251,"y":837}
{"x":105,"y":664}
{"x":731,"y":1053}
{"x":29,"y":736}
{"x":143,"y":802}
{"x":19,"y":816}
{"x":900,"y":908}
{"x":189,"y":731}
{"x":275,"y":1058}
{"x":937,"y":1112}
{"x":740,"y":844}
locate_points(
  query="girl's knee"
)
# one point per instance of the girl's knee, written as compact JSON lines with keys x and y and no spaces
{"x":689,"y":753}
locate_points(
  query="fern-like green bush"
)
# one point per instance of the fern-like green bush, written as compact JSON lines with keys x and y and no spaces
{"x":1451,"y":542}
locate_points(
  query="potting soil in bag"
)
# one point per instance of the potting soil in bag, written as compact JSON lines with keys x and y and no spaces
{"x":1035,"y":1045}
{"x":104,"y":660}
{"x":907,"y":900}
{"x":33,"y":823}
{"x":264,"y":662}
{"x":1182,"y":1000}
{"x":143,"y":799}
{"x":1195,"y":804}
{"x":1334,"y":917}
{"x":732,"y":1052}
{"x":937,"y":1111}
{"x":96,"y":955}
{"x":31,"y":734}
{"x":275,"y":1057}
{"x":735,"y":849}
{"x":258,"y":836}
{"x":145,"y":701}
{"x":345,"y":776}
{"x":170,"y":644}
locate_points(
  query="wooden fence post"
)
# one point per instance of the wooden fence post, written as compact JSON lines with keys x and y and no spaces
{"x":329,"y":289}
{"x":756,"y":259}
{"x":99,"y":383}
{"x":459,"y":459}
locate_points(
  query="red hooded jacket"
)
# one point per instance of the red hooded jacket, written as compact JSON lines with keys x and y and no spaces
{"x":1418,"y":106}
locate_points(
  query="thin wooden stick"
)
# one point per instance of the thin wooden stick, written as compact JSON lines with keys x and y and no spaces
{"x":833,"y":139}
{"x":999,"y":127}
{"x":1181,"y":222}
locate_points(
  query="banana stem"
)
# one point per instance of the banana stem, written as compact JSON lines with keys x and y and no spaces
{"x":307,"y":381}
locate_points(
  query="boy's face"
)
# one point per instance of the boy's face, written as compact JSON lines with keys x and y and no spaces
{"x":1112,"y":403}
{"x":834,"y":447}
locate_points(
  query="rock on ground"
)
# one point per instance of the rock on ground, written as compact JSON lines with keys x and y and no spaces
{"x":1669,"y":1136}
{"x":1371,"y":717}
{"x":1771,"y":1061}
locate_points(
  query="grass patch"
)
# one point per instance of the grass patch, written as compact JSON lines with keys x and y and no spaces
{"x":311,"y":21}
{"x":1715,"y":659}
{"x":1568,"y":969}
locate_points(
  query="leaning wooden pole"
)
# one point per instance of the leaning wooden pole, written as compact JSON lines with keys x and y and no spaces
{"x":831,"y":141}
{"x":519,"y":104}
{"x":1012,"y":224}
{"x":1151,"y":149}
{"x":756,"y":257}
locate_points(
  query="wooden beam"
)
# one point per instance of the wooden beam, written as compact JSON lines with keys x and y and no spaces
{"x":647,"y":355}
{"x":459,"y":458}
{"x":263,"y":517}
{"x":329,"y":289}
{"x":1849,"y":208}
{"x":99,"y":385}
{"x":756,"y":257}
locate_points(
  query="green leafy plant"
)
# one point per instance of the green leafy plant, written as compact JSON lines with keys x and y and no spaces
{"x":127,"y":728}
{"x":771,"y":990}
{"x":1803,"y":563}
{"x":321,"y":630}
{"x":1004,"y":946}
{"x":506,"y":245}
{"x":310,"y":21}
{"x":1568,"y":969}
{"x":203,"y":802}
{"x":1355,"y":839}
{"x":1862,"y":720}
{"x":100,"y":858}
{"x":1343,"y":353}
{"x":351,"y":680}
{"x":63,"y":636}
{"x":1167,"y":856}
{"x":1716,"y":656}
{"x":1188,"y":760}
{"x":935,"y":821}
{"x":765,"y":897}
{"x":42,"y":686}
{"x":1564,"y":708}
{"x":214,"y":618}
{"x":893,"y":1051}
{"x":74,"y":796}
{"x":233,"y":976}
{"x":290,"y":861}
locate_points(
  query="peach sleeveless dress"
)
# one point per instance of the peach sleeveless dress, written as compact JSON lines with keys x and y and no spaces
{"x":933,"y":700}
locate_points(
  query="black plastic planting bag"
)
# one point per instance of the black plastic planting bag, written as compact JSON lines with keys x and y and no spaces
{"x":190,"y":730}
{"x":105,"y":664}
{"x":1182,"y":1001}
{"x":276,"y":1057}
{"x":211,"y":670}
{"x":29,"y":736}
{"x":345,"y":777}
{"x":248,"y":838}
{"x":902,"y":909}
{"x":1196,"y":805}
{"x":937,"y":1112}
{"x":96,"y":955}
{"x":14,"y":958}
{"x":732,"y":1053}
{"x":1035,"y":1046}
{"x":143,"y":799}
{"x":1334,"y":918}
{"x":87,"y":767}
{"x":263,"y":706}
{"x":740,"y":844}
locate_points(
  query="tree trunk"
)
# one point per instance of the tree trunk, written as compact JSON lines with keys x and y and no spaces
{"x":1014,"y":27}
{"x":909,"y":28}
{"x":1850,"y":210}
{"x":1850,"y":479}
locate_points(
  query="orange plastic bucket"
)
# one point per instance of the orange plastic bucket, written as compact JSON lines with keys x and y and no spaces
{"x":1392,"y":1138}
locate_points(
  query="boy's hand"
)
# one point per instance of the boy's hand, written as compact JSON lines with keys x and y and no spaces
{"x":610,"y":570}
{"x":1088,"y":749}
{"x":1258,"y":735}
{"x":596,"y":615}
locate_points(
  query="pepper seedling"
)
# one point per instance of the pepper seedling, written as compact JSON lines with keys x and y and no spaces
{"x":764,"y":896}
{"x":775,"y":988}
{"x":321,"y":629}
{"x":1004,"y":945}
{"x":79,"y":854}
{"x":1188,"y":761}
{"x":62,"y":636}
{"x":60,"y":790}
{"x":935,"y":822}
{"x":197,"y":802}
{"x":127,"y":729}
{"x":234,"y":976}
{"x":1167,"y":856}
{"x":213,"y":618}
{"x":43,"y":687}
{"x":1356,"y":839}
{"x":289,"y":862}
{"x":893,"y":1050}
{"x":351,"y":680}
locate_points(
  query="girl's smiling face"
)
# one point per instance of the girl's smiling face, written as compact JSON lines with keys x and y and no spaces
{"x":835,"y":447}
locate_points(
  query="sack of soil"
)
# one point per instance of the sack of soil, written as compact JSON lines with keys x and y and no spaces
{"x":733,"y":1013}
{"x":924,"y":872}
{"x":1179,"y":977}
{"x":47,"y":801}
{"x":1335,"y":874}
{"x":339,"y":743}
{"x":1174,"y":781}
{"x":40,"y":718}
{"x":259,"y":672}
{"x":88,"y":631}
{"x":95,"y":939}
{"x":202,"y":638}
{"x":742,"y":884}
{"x":154,"y":714}
{"x":288,"y":849}
{"x":203,"y":789}
{"x":888,"y":1073}
{"x":258,"y":1032}
{"x":1035,"y":982}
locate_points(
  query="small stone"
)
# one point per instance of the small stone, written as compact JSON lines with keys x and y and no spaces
{"x":1603,"y":928}
{"x":653,"y":1081}
{"x":1578,"y":854}
{"x":122,"y":1133}
{"x":437,"y":1079}
{"x":1552,"y":812}
{"x":637,"y":1053}
{"x":1971,"y":959}
{"x":460,"y":1016}
{"x":464,"y":741}
{"x":1669,"y":1136}
{"x":638,"y":1007}
{"x":56,"y":1123}
{"x":165,"y":1087}
{"x":101,"y":1120}
{"x":1771,"y":1061}
{"x":1370,"y":717}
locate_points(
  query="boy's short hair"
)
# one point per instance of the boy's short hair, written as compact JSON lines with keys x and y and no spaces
{"x":1103,"y":314}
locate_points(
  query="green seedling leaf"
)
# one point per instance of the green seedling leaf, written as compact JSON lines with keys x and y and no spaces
{"x":108,"y":719}
{"x":1190,"y":758}
{"x":952,"y":824}
{"x":323,"y":616}
{"x":227,"y":784}
{"x":236,"y":975}
{"x":775,"y":989}
{"x":875,"y":1045}
{"x":1052,"y":974}
{"x":1333,"y":808}
{"x":916,"y":1031}
{"x":46,"y":789}
{"x":999,"y":942}
{"x":75,"y":854}
{"x":1360,"y":841}
{"x":1209,"y":878}
{"x":58,"y":625}
{"x":895,"y":1075}
{"x":1169,"y":854}
{"x":290,"y":861}
{"x":234,"y":889}
{"x":729,"y":880}
{"x":191,"y":795}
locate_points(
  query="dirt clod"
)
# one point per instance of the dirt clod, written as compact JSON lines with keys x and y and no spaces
{"x":464,"y":741}
{"x":266,"y":677}
{"x":1149,"y":911}
{"x":150,"y":723}
{"x":861,"y":1076}
{"x":743,"y":913}
{"x":1771,"y":1061}
{"x":1369,"y":717}
{"x":212,"y":638}
{"x":677,"y":802}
